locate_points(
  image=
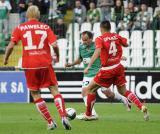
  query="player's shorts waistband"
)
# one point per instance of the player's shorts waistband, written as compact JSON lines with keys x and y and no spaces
{"x":110,"y":67}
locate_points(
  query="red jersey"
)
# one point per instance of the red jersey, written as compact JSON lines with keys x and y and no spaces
{"x":111,"y":48}
{"x":36,"y":38}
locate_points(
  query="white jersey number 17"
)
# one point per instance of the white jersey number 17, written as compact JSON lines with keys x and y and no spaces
{"x":30,"y":46}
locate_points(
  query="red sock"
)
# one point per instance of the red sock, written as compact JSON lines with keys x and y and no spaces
{"x":42,"y":108}
{"x":59,"y":102}
{"x":133,"y":98}
{"x":91,"y":98}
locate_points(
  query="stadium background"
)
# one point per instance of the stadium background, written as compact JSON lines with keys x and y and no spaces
{"x":143,"y":53}
{"x":142,"y":72}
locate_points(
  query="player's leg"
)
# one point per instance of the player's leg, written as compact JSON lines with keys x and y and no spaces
{"x":116,"y":96}
{"x":42,"y":108}
{"x":102,"y":78}
{"x":33,"y":84}
{"x":131,"y":96}
{"x":134,"y":99}
{"x":86,"y":81}
{"x":120,"y":83}
{"x":85,"y":100}
{"x":58,"y":99}
{"x":60,"y":105}
{"x":91,"y":98}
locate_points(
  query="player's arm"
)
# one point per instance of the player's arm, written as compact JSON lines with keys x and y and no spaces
{"x":8,"y":52}
{"x":52,"y":39}
{"x":125,"y":45}
{"x":56,"y":50}
{"x":123,"y":58}
{"x":95,"y":55}
{"x":76,"y":62}
{"x":123,"y":41}
{"x":14,"y":40}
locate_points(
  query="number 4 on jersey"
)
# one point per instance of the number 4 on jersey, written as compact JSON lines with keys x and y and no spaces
{"x":112,"y":48}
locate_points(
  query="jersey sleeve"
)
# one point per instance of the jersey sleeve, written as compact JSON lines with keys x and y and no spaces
{"x":51,"y":36}
{"x":15,"y":35}
{"x":122,"y":40}
{"x":98,"y":42}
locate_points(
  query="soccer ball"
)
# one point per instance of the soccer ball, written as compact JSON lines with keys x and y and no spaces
{"x":71,"y":113}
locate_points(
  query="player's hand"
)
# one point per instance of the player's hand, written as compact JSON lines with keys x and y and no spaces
{"x":55,"y":59}
{"x":68,"y":65}
{"x":124,"y":58}
{"x":5,"y":62}
{"x":86,"y":70}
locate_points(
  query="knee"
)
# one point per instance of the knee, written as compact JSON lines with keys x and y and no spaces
{"x":122,"y":89}
{"x":35,"y":94}
{"x":84,"y":91}
{"x":54,"y":90}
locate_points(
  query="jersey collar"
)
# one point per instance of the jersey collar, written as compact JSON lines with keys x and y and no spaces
{"x":88,"y":46}
{"x":33,"y":20}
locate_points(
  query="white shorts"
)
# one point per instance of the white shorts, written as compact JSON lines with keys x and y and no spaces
{"x":87,"y":80}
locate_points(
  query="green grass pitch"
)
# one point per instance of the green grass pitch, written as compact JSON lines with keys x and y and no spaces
{"x":113,"y":119}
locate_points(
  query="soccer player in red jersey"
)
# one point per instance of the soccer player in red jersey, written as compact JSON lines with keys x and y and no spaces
{"x":109,"y":48}
{"x":36,"y":39}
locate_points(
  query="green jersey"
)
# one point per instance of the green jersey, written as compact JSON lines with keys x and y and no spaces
{"x":4,"y":7}
{"x":85,"y":53}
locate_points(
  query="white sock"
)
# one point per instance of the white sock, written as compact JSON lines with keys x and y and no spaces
{"x":85,"y":102}
{"x":120,"y":98}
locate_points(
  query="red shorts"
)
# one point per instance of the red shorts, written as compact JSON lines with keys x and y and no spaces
{"x":106,"y":78}
{"x":40,"y":78}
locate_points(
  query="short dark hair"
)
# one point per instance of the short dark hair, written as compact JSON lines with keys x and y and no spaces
{"x":105,"y":25}
{"x":90,"y":35}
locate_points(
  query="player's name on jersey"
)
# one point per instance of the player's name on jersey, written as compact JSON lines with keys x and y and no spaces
{"x":110,"y":38}
{"x":13,"y":87}
{"x":37,"y":26}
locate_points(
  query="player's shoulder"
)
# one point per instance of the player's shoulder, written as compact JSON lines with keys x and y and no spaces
{"x":99,"y":38}
{"x":23,"y":24}
{"x":93,"y":43}
{"x":116,"y":34}
{"x":46,"y":26}
{"x":19,"y":27}
{"x":81,"y":46}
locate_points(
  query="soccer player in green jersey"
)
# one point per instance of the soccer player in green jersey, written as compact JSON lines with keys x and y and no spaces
{"x":86,"y":51}
{"x":5,"y":8}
